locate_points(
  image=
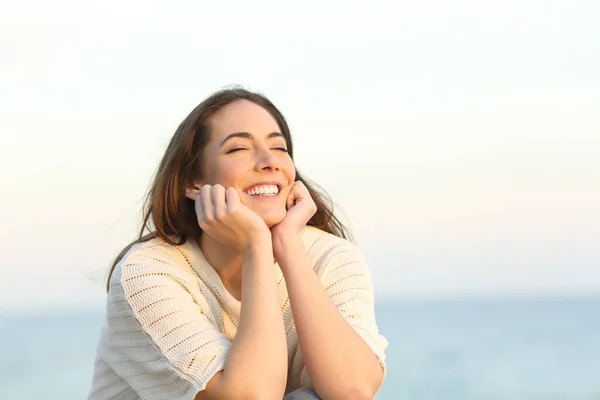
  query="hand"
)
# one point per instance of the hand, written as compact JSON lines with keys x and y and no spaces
{"x":300,"y":209}
{"x":222,"y":215}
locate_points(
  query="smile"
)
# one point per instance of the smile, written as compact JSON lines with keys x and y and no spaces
{"x":263,"y":191}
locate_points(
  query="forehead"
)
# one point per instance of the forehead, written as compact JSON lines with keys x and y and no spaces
{"x":242,"y":116}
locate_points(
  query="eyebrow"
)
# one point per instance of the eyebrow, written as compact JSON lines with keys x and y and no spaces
{"x":247,"y":135}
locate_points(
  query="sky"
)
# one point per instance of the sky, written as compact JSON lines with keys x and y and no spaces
{"x":459,"y":140}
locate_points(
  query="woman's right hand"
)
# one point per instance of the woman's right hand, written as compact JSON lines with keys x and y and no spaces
{"x":222,"y":215}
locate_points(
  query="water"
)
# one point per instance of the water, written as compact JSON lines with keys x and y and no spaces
{"x":495,"y":349}
{"x":513,"y":349}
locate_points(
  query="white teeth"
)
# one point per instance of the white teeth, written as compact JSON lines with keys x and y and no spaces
{"x":266,"y":190}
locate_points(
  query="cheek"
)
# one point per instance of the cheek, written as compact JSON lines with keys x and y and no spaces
{"x":289,"y":169}
{"x":228,"y":173}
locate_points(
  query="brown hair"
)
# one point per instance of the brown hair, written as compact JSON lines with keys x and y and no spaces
{"x":167,"y":208}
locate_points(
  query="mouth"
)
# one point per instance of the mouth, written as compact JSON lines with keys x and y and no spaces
{"x":264,"y":190}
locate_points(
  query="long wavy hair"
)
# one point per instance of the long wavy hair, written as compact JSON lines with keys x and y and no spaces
{"x":167,"y":212}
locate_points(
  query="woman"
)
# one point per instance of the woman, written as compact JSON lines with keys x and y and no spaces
{"x":244,"y":266}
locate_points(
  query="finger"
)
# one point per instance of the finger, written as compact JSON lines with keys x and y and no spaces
{"x":198,"y":208}
{"x":301,"y":190}
{"x":206,"y":203}
{"x":295,"y":194}
{"x":232,"y":197}
{"x":218,"y":201}
{"x":291,"y":200}
{"x":192,"y":193}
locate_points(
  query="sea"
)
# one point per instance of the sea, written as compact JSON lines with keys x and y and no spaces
{"x":499,"y":348}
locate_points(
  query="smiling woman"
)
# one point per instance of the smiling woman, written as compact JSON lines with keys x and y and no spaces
{"x":244,"y":265}
{"x":247,"y":152}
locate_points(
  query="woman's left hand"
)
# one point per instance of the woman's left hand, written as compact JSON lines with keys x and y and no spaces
{"x":300,"y":209}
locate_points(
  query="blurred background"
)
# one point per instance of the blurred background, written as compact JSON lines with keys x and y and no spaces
{"x":460,"y":140}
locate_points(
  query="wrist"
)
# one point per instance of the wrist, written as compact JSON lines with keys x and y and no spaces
{"x":286,"y":245}
{"x":282,"y":238}
{"x":259,"y":245}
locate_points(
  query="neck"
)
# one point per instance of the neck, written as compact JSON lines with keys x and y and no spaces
{"x":226,"y":260}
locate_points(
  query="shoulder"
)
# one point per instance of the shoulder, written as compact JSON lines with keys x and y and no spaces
{"x":327,"y":251}
{"x":318,"y":240}
{"x":154,"y":259}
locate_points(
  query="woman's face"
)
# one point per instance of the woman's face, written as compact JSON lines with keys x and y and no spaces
{"x":247,"y":151}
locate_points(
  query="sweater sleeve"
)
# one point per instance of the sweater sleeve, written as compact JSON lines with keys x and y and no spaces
{"x":347,"y":280}
{"x":164,"y":339}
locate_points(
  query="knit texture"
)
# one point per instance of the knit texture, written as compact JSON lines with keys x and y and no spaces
{"x":170,"y":321}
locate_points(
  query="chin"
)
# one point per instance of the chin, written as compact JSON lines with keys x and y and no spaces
{"x":272,"y":219}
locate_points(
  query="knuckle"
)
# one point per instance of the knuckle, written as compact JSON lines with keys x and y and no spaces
{"x":203,"y":225}
{"x":208,"y":214}
{"x":230,"y":192}
{"x":220,"y":215}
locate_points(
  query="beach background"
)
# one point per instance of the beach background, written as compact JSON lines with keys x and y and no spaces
{"x":460,"y":141}
{"x":509,"y":349}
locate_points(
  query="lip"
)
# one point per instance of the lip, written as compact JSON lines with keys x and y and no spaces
{"x":265,"y":183}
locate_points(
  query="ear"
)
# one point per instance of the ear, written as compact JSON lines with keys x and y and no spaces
{"x":191,"y":192}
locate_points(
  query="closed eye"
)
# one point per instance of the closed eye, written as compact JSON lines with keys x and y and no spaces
{"x":235,"y":149}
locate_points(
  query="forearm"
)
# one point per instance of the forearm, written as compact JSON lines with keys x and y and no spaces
{"x":257,"y":359}
{"x":339,"y":361}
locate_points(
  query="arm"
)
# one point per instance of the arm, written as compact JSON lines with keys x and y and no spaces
{"x":256,"y":364}
{"x":340,"y":363}
{"x":164,"y":340}
{"x":180,"y":352}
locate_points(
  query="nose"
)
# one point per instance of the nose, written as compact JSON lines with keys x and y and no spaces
{"x":266,"y":160}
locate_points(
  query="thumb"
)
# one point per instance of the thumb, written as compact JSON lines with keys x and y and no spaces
{"x":292,"y":197}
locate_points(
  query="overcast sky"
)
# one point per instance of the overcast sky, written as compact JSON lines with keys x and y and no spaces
{"x":461,"y":139}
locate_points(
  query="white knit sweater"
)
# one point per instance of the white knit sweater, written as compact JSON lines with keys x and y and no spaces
{"x":170,"y":321}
